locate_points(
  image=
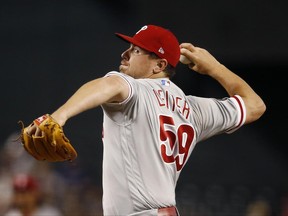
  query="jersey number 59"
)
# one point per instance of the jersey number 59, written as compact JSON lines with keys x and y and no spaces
{"x":176,"y":141}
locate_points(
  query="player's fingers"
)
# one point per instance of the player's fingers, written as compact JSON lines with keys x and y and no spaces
{"x":187,"y":46}
{"x":39,"y":132}
{"x":33,"y":129}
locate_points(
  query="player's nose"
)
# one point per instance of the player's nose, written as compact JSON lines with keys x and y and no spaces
{"x":125,"y":54}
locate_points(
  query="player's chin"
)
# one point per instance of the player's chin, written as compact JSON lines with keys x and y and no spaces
{"x":123,"y":68}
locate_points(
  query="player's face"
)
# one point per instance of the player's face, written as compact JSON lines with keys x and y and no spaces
{"x":136,"y":62}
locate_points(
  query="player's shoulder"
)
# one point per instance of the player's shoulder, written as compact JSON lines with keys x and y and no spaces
{"x":117,"y":74}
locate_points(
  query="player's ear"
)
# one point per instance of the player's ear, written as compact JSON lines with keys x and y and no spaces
{"x":161,"y":64}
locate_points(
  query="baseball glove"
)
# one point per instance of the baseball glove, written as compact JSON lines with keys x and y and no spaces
{"x":52,"y":145}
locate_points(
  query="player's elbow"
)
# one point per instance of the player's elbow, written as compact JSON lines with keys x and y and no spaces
{"x":255,"y":110}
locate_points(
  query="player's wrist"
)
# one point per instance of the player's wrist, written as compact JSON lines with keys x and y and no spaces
{"x":60,"y":119}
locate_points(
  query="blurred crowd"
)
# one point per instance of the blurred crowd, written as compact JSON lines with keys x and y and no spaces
{"x":237,"y":200}
{"x":37,"y":188}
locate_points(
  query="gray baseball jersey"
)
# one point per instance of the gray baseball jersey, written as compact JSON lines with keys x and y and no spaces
{"x":149,"y":137}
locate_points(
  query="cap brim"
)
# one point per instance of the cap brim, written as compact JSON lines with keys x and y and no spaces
{"x":132,"y":41}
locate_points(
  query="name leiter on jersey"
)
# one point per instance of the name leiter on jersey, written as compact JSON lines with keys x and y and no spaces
{"x":177,"y":103}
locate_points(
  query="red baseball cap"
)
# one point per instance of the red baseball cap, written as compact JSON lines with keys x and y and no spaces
{"x":24,"y":182}
{"x":158,"y":40}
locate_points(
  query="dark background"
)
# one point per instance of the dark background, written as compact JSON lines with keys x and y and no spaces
{"x":49,"y":48}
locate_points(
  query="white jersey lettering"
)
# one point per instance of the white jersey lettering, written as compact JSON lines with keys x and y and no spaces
{"x":179,"y":104}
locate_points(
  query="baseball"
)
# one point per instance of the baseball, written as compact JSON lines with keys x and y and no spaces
{"x":184,"y":60}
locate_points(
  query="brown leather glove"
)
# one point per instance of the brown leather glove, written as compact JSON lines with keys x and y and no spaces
{"x":52,"y":145}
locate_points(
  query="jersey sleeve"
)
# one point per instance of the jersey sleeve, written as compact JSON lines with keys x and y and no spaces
{"x":214,"y":116}
{"x":240,"y":109}
{"x":122,"y":112}
{"x":127,"y":79}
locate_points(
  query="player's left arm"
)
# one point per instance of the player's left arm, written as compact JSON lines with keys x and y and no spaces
{"x":204,"y":63}
{"x":92,"y":94}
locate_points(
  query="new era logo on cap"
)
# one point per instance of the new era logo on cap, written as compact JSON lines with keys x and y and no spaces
{"x":161,"y":50}
{"x":158,"y":40}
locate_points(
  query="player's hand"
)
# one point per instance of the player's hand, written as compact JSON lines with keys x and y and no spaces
{"x":202,"y":61}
